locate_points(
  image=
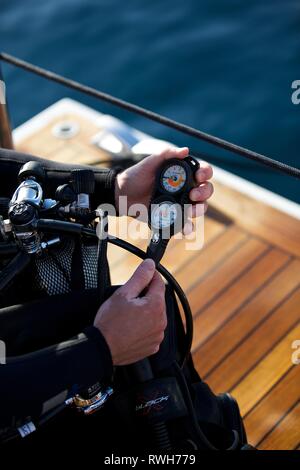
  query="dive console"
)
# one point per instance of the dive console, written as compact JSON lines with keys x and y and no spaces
{"x":168,"y":214}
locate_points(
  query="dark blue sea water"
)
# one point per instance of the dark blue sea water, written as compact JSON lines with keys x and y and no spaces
{"x":225,"y":67}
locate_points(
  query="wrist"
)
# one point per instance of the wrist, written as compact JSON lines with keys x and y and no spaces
{"x":120,"y":183}
{"x":110,"y":185}
{"x":108,"y":340}
{"x":97,"y":337}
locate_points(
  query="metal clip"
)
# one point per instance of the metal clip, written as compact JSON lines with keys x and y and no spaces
{"x":90,"y":405}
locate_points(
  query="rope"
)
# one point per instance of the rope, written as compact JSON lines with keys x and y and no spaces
{"x":191,"y":131}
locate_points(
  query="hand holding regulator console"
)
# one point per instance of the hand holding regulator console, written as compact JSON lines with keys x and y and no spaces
{"x":32,"y":219}
{"x":168,"y":213}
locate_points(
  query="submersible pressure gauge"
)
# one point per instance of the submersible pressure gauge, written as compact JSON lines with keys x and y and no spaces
{"x":167,"y":216}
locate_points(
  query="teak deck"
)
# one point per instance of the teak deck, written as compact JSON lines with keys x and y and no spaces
{"x":244,"y":291}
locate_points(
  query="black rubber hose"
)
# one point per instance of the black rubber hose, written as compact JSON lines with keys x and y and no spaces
{"x":103,"y":278}
{"x":8,"y":249}
{"x":51,"y":225}
{"x":186,"y":393}
{"x":13,"y":269}
{"x":161,"y":436}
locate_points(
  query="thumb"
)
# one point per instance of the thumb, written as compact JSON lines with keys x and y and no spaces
{"x":139,"y":280}
{"x":154,"y":161}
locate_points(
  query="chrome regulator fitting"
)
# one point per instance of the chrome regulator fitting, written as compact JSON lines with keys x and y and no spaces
{"x":88,"y":406}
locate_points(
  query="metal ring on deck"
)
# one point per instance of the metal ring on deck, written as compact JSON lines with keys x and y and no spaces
{"x":65,"y":129}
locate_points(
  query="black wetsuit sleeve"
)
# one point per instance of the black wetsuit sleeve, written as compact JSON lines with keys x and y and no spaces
{"x":56,"y":174}
{"x":33,"y":383}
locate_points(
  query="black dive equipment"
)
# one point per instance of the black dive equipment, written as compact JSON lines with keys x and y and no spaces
{"x":163,"y":389}
{"x":25,"y":207}
{"x":168,"y":210}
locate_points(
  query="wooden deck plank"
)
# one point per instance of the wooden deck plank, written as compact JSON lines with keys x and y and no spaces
{"x":222,"y":275}
{"x":287,"y":435}
{"x":256,"y":346}
{"x":235,"y":295}
{"x":118,"y":227}
{"x":240,"y":325}
{"x":67,"y":154}
{"x":209,"y":258}
{"x":268,"y":412}
{"x":267,"y":373}
{"x":257,"y":218}
{"x":117,"y":256}
{"x":77,"y":149}
{"x":176,"y":254}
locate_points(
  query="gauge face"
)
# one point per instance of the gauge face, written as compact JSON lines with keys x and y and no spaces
{"x":163,"y":215}
{"x":173,"y":178}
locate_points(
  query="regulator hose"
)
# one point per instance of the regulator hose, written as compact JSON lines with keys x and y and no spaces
{"x":13,"y":269}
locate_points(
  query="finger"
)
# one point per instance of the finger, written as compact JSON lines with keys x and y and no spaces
{"x":204,"y":173}
{"x":171,"y":152}
{"x":203,"y":192}
{"x":139,"y":280}
{"x":188,"y":228}
{"x":197,"y":210}
{"x":180,"y":152}
{"x":156,"y":287}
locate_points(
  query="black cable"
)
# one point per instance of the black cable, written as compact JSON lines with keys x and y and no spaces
{"x":103,"y":278}
{"x":219,"y":160}
{"x":270,"y":162}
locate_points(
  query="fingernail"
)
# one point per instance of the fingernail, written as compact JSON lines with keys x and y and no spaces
{"x":149,"y":263}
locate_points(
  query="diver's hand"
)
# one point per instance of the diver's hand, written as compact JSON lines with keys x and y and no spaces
{"x":137,"y":181}
{"x":134,"y":326}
